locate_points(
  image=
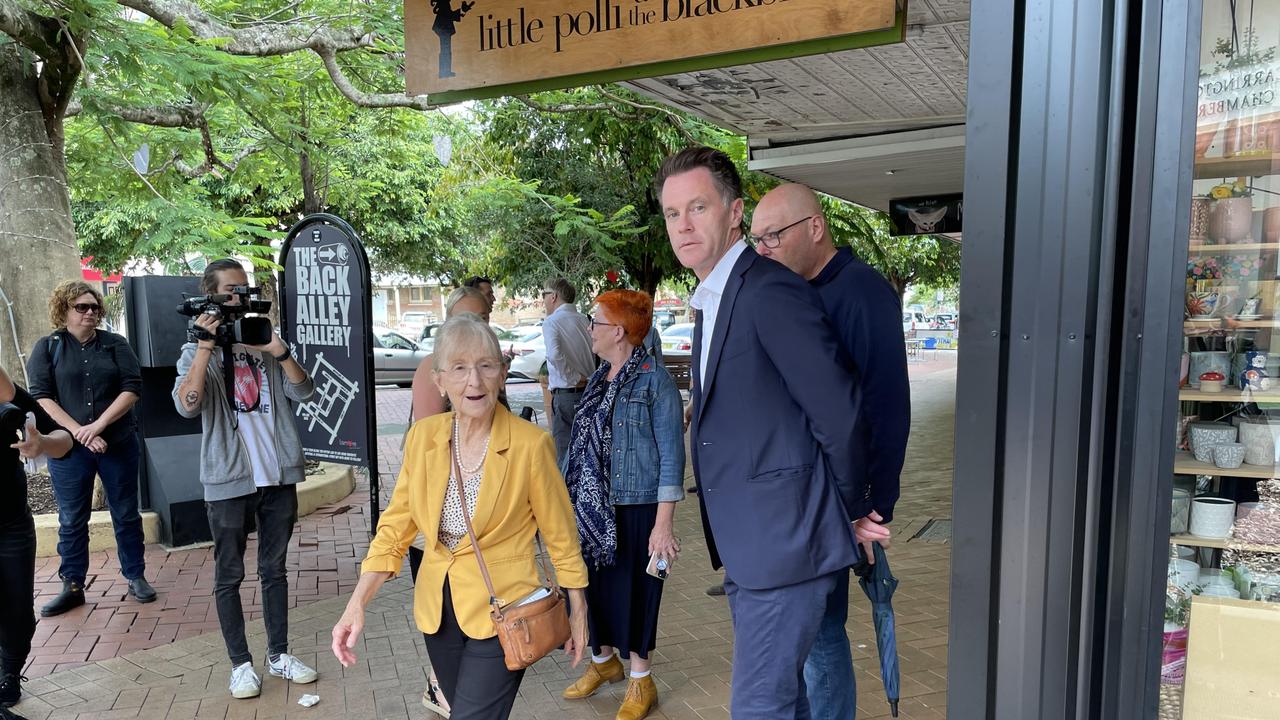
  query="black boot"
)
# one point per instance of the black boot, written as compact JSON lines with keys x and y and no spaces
{"x":141,"y":590}
{"x":71,"y":597}
{"x":10,"y":689}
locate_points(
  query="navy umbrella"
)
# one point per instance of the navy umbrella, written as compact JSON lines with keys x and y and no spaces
{"x":879,"y":583}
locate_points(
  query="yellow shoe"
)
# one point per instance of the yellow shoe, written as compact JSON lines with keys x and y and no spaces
{"x":641,"y":696}
{"x":596,"y":674}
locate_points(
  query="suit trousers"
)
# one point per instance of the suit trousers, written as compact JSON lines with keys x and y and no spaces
{"x":773,"y":632}
{"x":473,"y":673}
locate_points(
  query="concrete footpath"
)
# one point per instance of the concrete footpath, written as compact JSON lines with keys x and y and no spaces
{"x":116,"y":659}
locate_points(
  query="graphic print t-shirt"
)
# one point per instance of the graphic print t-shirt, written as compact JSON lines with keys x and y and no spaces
{"x":252,"y":399}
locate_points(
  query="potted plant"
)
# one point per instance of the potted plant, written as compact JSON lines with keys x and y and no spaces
{"x":1231,"y":212}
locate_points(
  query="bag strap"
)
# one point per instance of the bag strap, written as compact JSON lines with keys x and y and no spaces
{"x":471,"y":532}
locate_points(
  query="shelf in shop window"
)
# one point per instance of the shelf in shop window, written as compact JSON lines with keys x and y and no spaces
{"x":1247,"y":166}
{"x":1229,"y":395}
{"x":1238,"y":247}
{"x":1184,"y":463}
{"x":1202,"y":326}
{"x":1221,"y":544}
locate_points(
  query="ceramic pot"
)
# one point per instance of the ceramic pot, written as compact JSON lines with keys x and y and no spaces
{"x":1184,"y":573}
{"x":1204,"y":435}
{"x":1271,"y":225}
{"x":1230,"y":219}
{"x":1180,"y":516}
{"x":1205,"y":304}
{"x":1212,"y":517}
{"x":1203,"y":361}
{"x":1259,"y":440}
{"x":1183,"y":440}
{"x":1228,"y":456}
{"x":1200,"y":220}
{"x":1173,"y":657}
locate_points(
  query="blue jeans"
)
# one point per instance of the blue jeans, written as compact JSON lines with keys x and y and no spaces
{"x":828,"y":671}
{"x":73,"y":488}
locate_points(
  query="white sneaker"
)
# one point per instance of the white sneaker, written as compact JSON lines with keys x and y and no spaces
{"x":292,"y":669}
{"x":245,"y":683}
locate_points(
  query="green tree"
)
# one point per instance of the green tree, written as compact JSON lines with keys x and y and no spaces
{"x":603,"y":146}
{"x":182,"y":69}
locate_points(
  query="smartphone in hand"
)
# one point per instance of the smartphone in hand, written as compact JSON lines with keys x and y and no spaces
{"x":659,"y":567}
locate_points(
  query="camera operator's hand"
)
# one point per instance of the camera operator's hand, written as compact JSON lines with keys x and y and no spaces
{"x":275,"y":347}
{"x":208,"y":323}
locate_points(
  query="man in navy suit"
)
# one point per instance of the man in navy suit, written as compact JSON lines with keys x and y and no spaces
{"x":773,"y":436}
{"x":789,"y":226}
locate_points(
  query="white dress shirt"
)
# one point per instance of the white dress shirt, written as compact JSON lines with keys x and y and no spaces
{"x":706,"y":298}
{"x":567,"y":336}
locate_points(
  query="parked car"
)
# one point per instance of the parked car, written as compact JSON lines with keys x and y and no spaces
{"x":528,"y":352}
{"x":395,"y":357}
{"x":663,"y":319}
{"x":412,"y":324}
{"x":678,"y":339}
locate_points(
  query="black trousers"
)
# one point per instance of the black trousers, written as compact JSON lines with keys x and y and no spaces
{"x":274,"y":510}
{"x":17,"y":577}
{"x":473,"y":673}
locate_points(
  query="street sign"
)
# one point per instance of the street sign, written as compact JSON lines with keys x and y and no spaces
{"x":326,"y":316}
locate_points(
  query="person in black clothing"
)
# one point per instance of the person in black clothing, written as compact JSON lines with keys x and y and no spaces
{"x":17,"y":530}
{"x":88,"y":381}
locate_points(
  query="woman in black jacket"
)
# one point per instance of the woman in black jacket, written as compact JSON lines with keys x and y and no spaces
{"x":17,"y":530}
{"x":88,"y":381}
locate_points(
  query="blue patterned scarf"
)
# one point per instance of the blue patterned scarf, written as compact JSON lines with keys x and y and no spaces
{"x":587,"y":466}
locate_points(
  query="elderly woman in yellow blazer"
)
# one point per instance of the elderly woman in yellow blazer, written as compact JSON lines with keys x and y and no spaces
{"x":513,"y":490}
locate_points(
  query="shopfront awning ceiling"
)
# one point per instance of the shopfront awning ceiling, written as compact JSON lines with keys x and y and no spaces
{"x":796,"y":112}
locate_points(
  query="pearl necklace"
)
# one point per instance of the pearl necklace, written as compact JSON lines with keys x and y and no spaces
{"x":457,"y":452}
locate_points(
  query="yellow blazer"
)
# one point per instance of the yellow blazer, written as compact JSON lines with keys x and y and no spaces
{"x":522,"y":492}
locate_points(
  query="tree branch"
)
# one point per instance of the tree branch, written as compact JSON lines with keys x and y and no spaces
{"x":360,"y":98}
{"x":184,"y":115}
{"x":672,"y":117}
{"x":257,"y":40}
{"x":35,"y":32}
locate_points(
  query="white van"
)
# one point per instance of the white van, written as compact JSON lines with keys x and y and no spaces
{"x":913,"y":320}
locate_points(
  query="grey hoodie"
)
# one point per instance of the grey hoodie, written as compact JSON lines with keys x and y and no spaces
{"x":225,"y":469}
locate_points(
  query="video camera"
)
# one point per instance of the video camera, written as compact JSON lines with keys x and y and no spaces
{"x":12,"y":419}
{"x":235,"y":328}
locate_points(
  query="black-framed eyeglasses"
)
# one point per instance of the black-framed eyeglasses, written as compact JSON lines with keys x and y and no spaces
{"x":772,"y":239}
{"x":86,"y":308}
{"x":595,"y":323}
{"x":548,"y":292}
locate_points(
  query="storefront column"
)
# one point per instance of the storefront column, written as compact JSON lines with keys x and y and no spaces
{"x":1078,"y":119}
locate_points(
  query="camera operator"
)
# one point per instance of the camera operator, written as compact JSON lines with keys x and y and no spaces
{"x":88,"y":380}
{"x":17,"y":530}
{"x":251,"y":460}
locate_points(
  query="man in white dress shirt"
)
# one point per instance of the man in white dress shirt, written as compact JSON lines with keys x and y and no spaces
{"x":567,"y":336}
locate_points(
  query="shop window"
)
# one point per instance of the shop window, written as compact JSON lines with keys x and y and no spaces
{"x":1221,"y":635}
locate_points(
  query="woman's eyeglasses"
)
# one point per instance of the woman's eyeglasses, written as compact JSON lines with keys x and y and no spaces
{"x":488,"y":370}
{"x":86,"y":308}
{"x":596,"y":323}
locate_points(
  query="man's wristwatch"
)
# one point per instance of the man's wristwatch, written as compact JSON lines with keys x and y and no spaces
{"x":284,"y":355}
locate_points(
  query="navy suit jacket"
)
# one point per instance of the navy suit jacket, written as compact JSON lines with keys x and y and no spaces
{"x":773,"y":432}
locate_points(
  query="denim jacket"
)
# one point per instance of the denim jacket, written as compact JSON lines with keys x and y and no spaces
{"x":648,"y":439}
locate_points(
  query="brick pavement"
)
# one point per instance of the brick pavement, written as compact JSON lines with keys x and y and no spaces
{"x":114,"y":658}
